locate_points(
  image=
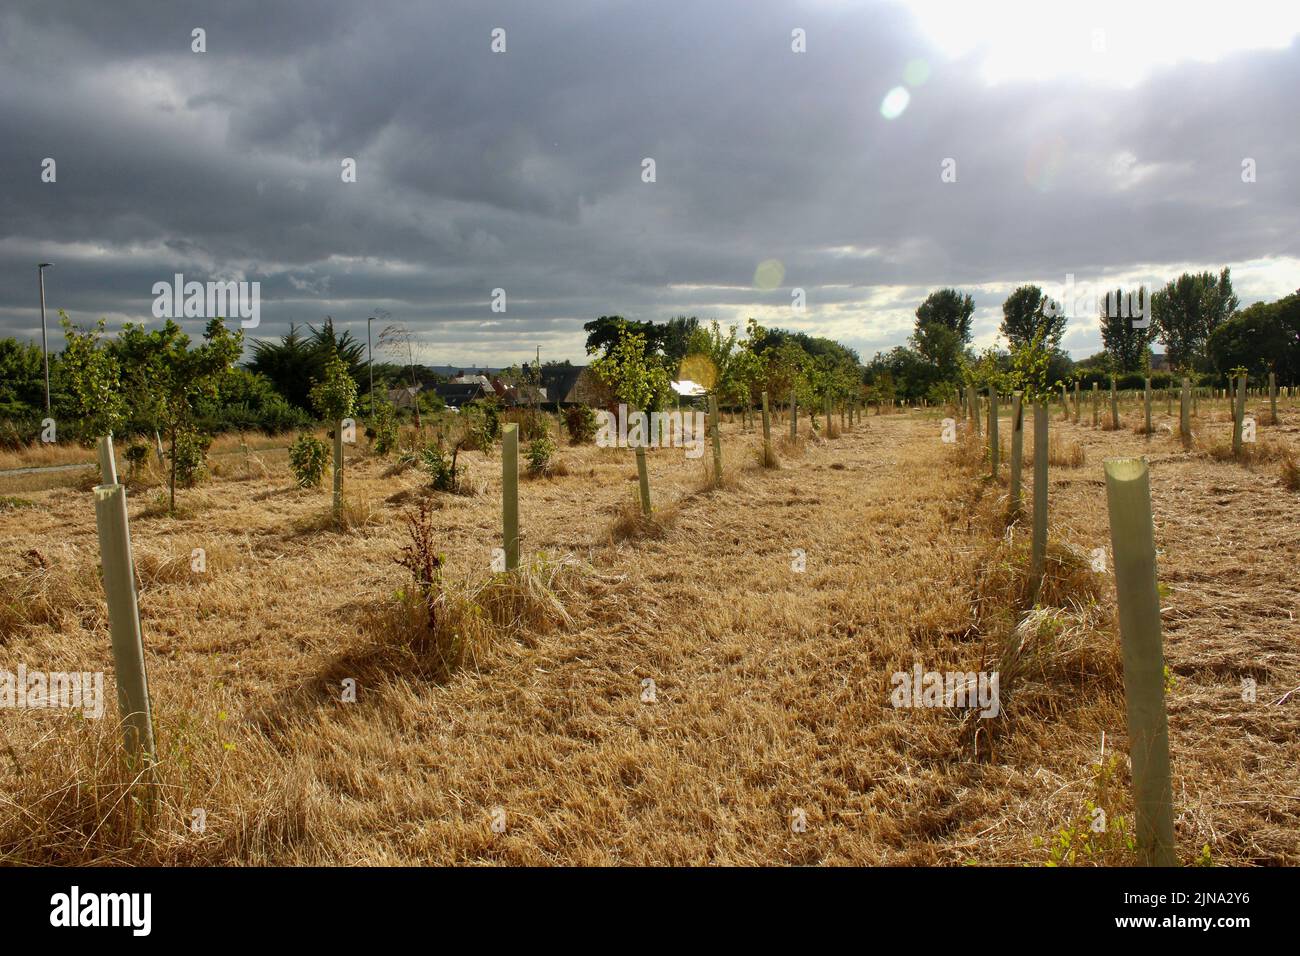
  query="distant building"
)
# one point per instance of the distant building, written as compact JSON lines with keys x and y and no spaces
{"x":524,"y":395}
{"x":1159,"y":362}
{"x":474,"y":378}
{"x":405,"y":397}
{"x":458,"y":394}
{"x":577,"y":385}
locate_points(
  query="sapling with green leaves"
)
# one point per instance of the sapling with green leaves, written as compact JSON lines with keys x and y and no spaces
{"x":91,"y":379}
{"x":634,"y":374}
{"x":383,"y":422}
{"x":334,"y":398}
{"x":1030,"y":362}
{"x":169,"y":378}
{"x":307,"y":458}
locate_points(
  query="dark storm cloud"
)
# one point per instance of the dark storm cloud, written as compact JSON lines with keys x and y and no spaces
{"x":522,"y":171}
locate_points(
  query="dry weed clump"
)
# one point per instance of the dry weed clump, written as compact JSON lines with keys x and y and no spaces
{"x":630,"y":523}
{"x":249,"y":467}
{"x":50,"y":587}
{"x":1045,"y":655}
{"x":83,"y":804}
{"x":1219,"y":448}
{"x":530,"y":600}
{"x":766,"y":456}
{"x":189,"y":559}
{"x":427,"y":634}
{"x":791,"y":447}
{"x":405,"y":462}
{"x":1290,"y":471}
{"x":428,"y":629}
{"x":1061,"y":453}
{"x":355,"y":515}
{"x":709,"y":482}
{"x":969,"y":452}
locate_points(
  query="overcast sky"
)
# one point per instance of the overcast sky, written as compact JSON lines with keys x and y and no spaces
{"x":1104,"y":140}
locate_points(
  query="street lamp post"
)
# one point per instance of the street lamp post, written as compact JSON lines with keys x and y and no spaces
{"x":45,"y":345}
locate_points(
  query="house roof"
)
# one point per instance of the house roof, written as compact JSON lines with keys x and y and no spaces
{"x":404,"y":397}
{"x":457,"y":394}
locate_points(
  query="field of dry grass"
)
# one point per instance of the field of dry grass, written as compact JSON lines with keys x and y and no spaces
{"x":770,"y":699}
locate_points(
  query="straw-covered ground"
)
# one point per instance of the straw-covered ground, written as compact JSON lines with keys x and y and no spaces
{"x":672,"y":691}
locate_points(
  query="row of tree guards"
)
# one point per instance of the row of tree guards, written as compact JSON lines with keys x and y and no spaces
{"x":1132,"y":540}
{"x":1188,"y":408}
{"x":118,"y":562}
{"x":510,"y":464}
{"x":1132,"y":532}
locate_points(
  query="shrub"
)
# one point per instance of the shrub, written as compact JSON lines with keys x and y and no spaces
{"x":440,"y":468}
{"x":189,"y":454}
{"x":532,"y":423}
{"x":580,"y":422}
{"x":384,"y":423}
{"x":539,"y":455}
{"x":307,"y":457}
{"x":136,"y":454}
{"x":18,"y":433}
{"x":481,"y":424}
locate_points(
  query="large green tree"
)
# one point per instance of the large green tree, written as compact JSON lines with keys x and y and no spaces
{"x":1254,"y":339}
{"x":296,"y":360}
{"x":1187,"y":311}
{"x":1028,"y":314}
{"x":941,"y":346}
{"x":949,"y":308}
{"x":1127,"y":345}
{"x":22,"y":379}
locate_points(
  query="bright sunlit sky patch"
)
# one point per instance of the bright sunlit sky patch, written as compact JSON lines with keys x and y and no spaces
{"x":1115,"y":41}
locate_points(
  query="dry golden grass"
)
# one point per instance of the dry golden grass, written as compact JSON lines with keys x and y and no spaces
{"x":766,"y":456}
{"x":1290,"y":472}
{"x":1061,"y":452}
{"x":631,"y":522}
{"x":71,"y":453}
{"x":525,"y":691}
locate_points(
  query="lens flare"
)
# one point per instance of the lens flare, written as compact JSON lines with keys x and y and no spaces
{"x":895,"y":101}
{"x":769,"y":274}
{"x":700,"y":369}
{"x":916,"y":72}
{"x":1044,"y":163}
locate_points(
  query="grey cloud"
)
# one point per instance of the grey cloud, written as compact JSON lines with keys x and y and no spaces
{"x":522,"y":171}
